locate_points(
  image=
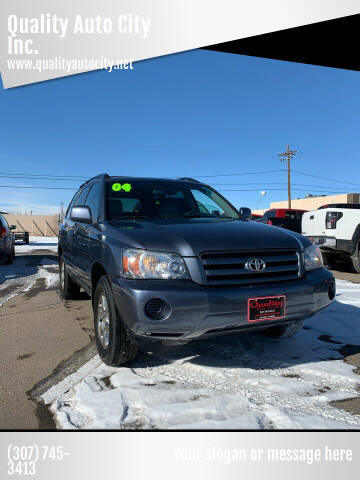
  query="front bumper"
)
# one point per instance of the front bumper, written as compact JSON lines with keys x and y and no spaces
{"x":197,"y":310}
{"x":322,"y":241}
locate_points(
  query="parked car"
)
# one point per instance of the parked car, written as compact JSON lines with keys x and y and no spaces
{"x":255,"y":216}
{"x":22,"y":236}
{"x":173,"y":260}
{"x":284,"y":218}
{"x":7,"y":241}
{"x":335,"y":229}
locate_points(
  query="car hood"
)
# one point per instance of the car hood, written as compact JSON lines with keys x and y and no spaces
{"x":191,"y":237}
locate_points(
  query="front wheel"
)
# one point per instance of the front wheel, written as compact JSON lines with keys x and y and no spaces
{"x":114,"y":342}
{"x":283,"y":331}
{"x":356,"y":259}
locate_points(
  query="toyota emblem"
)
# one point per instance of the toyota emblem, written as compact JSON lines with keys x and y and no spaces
{"x":255,"y":265}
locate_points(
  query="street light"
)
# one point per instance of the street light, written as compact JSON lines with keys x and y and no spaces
{"x":263,"y":193}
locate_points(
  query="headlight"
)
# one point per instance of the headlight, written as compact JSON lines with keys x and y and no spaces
{"x":154,"y":265}
{"x":312,"y":258}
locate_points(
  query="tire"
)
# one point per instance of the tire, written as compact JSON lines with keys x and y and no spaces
{"x":69,"y":290}
{"x":330,"y":259}
{"x":283,"y":331}
{"x":355,"y":259}
{"x":9,"y":258}
{"x":114,"y":342}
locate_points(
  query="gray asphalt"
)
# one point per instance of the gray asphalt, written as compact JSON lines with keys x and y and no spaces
{"x":38,"y":332}
{"x":43,"y":339}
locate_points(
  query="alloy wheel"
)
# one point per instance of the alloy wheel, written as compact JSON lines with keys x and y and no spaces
{"x":103,"y":321}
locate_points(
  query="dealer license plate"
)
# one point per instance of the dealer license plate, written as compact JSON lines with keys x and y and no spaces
{"x":266,"y":308}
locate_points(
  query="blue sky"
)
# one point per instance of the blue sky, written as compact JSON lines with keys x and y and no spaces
{"x":191,"y":114}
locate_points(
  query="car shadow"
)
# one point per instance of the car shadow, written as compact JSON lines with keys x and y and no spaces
{"x":329,"y":335}
{"x":25,"y":266}
{"x":344,"y":267}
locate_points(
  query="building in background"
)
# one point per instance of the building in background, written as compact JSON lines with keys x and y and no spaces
{"x":36,"y":225}
{"x":313,"y":202}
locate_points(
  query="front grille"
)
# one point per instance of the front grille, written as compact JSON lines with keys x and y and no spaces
{"x":228,"y":268}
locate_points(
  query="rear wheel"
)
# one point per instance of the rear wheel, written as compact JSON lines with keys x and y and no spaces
{"x":69,"y":290}
{"x":283,"y":331}
{"x":114,"y":342}
{"x":355,"y":259}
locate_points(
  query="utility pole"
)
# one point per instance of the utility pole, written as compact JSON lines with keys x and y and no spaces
{"x":288,"y":156}
{"x":61,"y":211}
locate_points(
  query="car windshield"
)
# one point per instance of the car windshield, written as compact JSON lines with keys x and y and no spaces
{"x":160,"y":199}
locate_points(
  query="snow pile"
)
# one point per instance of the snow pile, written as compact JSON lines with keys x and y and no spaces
{"x":37,"y":243}
{"x":234,"y":382}
{"x":22,"y":275}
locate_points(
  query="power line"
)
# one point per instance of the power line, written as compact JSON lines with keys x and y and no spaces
{"x":278,"y":189}
{"x":263,"y":184}
{"x":44,"y":175}
{"x":41,"y":178}
{"x":49,"y":177}
{"x":37,"y":187}
{"x":324,"y":178}
{"x":234,"y":174}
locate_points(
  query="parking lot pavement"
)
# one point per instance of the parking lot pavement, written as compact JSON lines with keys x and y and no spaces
{"x":346,"y":273}
{"x":39,"y":333}
{"x":47,"y":353}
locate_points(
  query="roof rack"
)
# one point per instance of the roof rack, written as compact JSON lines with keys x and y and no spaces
{"x":188,"y":179}
{"x":101,"y":175}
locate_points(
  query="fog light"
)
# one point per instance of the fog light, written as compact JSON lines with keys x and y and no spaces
{"x":155,"y":308}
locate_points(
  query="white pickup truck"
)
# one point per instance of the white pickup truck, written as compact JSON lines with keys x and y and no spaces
{"x":335,"y":229}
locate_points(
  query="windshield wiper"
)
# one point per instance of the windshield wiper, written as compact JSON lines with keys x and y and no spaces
{"x":132,"y":217}
{"x":198,"y":215}
{"x":203,"y":214}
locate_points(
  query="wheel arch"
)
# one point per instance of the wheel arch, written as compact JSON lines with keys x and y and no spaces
{"x":97,"y":271}
{"x":355,"y":240}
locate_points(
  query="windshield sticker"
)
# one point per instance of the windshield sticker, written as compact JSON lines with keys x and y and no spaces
{"x":116,"y":187}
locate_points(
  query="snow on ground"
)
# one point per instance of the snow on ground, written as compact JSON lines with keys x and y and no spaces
{"x":37,"y":243}
{"x":26,"y":270}
{"x":233,"y":382}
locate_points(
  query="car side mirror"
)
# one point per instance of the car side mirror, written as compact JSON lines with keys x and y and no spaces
{"x":245,"y":213}
{"x":81,"y":214}
{"x":13,"y":227}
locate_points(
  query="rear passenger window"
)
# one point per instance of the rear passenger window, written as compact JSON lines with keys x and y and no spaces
{"x":93,"y":201}
{"x":291,"y":214}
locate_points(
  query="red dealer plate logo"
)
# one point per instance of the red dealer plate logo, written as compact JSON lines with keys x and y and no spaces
{"x":266,"y":308}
